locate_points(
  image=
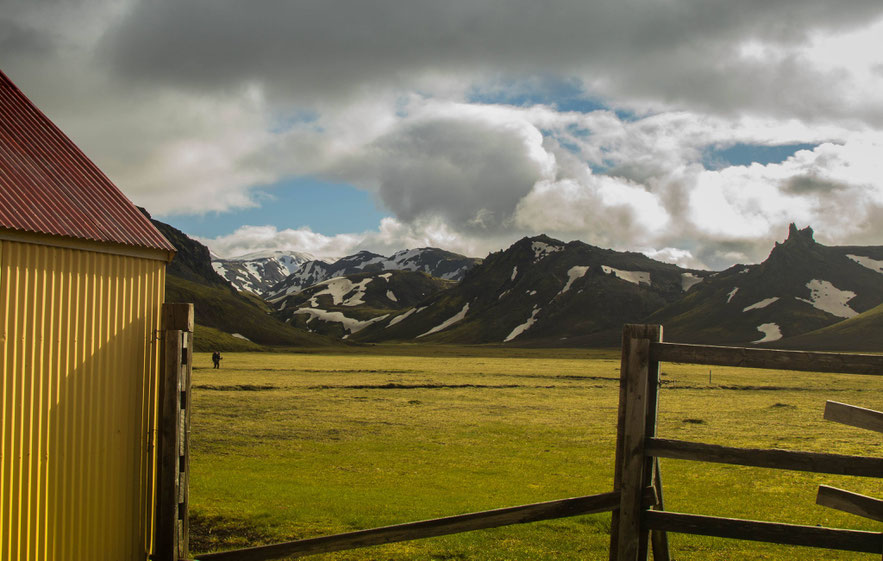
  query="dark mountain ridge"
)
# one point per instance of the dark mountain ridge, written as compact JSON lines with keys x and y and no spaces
{"x":541,"y":289}
{"x":802,"y":286}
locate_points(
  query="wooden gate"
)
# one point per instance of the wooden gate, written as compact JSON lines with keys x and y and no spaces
{"x":638,"y":449}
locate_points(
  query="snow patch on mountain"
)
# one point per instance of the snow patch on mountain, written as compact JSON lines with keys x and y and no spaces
{"x":350,"y":324}
{"x":438,"y":263}
{"x":771,"y":332}
{"x":404,"y":316}
{"x":448,"y":322}
{"x":731,"y":294}
{"x":688,"y":280}
{"x":542,"y":249}
{"x":572,"y":274}
{"x":634,"y":277}
{"x":871,"y":264}
{"x":524,"y":326}
{"x":240,"y":336}
{"x":762,"y":304}
{"x":338,"y":288}
{"x":514,"y":272}
{"x":828,"y":298}
{"x":385,"y":276}
{"x":391,"y":296}
{"x":257,"y":272}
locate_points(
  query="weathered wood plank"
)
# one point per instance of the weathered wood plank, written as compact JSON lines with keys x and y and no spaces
{"x":651,"y":465}
{"x":815,"y":462}
{"x":427,"y":528}
{"x":166,"y":523}
{"x":773,"y":532}
{"x":854,"y":416}
{"x":620,"y":431}
{"x":176,"y":316}
{"x":632,"y":481}
{"x":184,"y":450}
{"x":768,"y":358}
{"x":659,"y":538}
{"x":850,"y":502}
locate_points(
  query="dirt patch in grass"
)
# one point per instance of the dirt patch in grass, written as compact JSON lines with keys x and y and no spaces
{"x":395,"y":386}
{"x":672,"y":385}
{"x":335,"y":371}
{"x":236,"y":388}
{"x":566,"y":377}
{"x":212,"y":533}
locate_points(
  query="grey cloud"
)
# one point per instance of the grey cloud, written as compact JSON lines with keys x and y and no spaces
{"x":682,"y":51}
{"x":471,"y":173}
{"x":17,"y":39}
{"x":811,"y":184}
{"x":723,"y":253}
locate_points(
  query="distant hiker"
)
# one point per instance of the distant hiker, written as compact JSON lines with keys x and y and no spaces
{"x":216,"y":359}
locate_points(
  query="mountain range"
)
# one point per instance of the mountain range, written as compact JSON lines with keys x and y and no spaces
{"x":543,"y":291}
{"x":538,"y":292}
{"x":257,"y":272}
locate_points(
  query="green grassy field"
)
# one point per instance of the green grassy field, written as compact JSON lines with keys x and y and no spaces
{"x":289,"y":446}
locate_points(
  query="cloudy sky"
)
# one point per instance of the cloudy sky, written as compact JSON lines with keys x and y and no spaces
{"x":691,"y":130}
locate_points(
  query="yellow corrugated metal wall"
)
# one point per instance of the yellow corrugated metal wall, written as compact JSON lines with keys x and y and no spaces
{"x":78,"y":402}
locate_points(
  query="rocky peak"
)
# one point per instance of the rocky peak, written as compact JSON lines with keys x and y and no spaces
{"x":800,"y":248}
{"x":799,"y":236}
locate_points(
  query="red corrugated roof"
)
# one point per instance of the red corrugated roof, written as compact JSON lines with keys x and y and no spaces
{"x":48,"y":186}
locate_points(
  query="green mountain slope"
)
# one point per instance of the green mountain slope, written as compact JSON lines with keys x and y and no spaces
{"x":864,"y":332}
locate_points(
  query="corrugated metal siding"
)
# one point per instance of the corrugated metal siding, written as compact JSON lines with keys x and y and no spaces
{"x":48,"y":186}
{"x":78,"y":395}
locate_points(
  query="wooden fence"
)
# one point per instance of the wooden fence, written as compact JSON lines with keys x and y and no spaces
{"x":636,"y":527}
{"x":639,"y":522}
{"x":171,"y":531}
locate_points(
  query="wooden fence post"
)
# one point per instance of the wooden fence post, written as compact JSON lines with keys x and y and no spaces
{"x":172,"y":531}
{"x":627,"y":537}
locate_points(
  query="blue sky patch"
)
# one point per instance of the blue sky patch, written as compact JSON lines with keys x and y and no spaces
{"x":746,"y":154}
{"x":564,"y":95}
{"x":327,"y":208}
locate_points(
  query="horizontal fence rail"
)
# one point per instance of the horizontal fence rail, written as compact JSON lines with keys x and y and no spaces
{"x":551,"y":510}
{"x":815,"y":462}
{"x":853,"y":503}
{"x":853,"y":416}
{"x":767,"y":358}
{"x":771,"y":532}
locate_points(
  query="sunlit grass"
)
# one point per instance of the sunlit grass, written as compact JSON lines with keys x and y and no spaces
{"x":288,"y":446}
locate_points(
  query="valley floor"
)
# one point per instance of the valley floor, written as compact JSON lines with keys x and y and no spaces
{"x":289,"y":446}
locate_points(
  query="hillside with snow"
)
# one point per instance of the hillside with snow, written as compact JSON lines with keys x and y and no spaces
{"x":343,"y":306}
{"x":803,"y":286}
{"x":435,"y":262}
{"x":258,"y":272}
{"x":542,"y":291}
